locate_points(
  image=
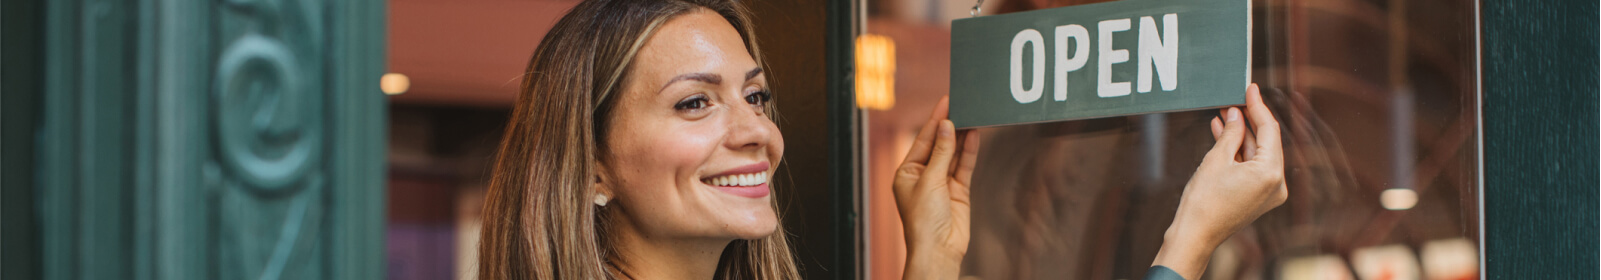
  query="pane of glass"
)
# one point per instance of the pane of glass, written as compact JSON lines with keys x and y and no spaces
{"x":1378,"y":103}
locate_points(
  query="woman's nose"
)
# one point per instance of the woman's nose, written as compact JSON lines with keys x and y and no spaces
{"x":748,"y":127}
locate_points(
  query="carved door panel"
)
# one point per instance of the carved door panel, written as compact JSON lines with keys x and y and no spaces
{"x":227,"y":139}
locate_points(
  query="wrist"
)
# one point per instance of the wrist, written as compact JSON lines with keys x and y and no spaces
{"x":932,"y":266}
{"x":1192,"y":228}
{"x":934,"y":252}
{"x":932,"y":262}
{"x":1187,"y":250}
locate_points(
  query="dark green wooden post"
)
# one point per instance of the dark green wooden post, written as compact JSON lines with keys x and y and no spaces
{"x":1540,"y":128}
{"x":229,"y":139}
{"x":19,"y":101}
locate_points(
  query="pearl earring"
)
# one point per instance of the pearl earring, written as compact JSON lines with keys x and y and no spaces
{"x":601,"y":199}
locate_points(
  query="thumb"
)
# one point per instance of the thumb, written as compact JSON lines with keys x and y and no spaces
{"x":1233,"y":133}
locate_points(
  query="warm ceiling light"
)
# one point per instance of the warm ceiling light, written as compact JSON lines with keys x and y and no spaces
{"x":875,"y":72}
{"x":1398,"y":199}
{"x":394,"y":83}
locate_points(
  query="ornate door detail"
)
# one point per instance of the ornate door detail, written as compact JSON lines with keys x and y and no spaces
{"x":224,"y":139}
{"x":268,"y":138}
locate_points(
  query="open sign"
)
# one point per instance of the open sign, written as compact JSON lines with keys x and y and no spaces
{"x":1153,"y":53}
{"x":1099,"y":60}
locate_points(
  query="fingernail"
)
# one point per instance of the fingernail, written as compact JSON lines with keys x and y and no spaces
{"x":1234,"y":114}
{"x":946,"y":128}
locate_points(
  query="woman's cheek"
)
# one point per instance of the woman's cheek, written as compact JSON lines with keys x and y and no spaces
{"x":689,"y":146}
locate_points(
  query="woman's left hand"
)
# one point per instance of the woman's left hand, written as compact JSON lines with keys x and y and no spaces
{"x":1240,"y":178}
{"x":931,"y":193}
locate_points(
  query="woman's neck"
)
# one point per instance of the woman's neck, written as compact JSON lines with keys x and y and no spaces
{"x":643,"y":256}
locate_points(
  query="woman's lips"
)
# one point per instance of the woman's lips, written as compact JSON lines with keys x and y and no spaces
{"x":757,"y":191}
{"x":747,"y":169}
{"x":748,"y":181}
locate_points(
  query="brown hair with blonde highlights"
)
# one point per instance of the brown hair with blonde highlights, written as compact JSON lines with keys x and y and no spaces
{"x":539,"y":222}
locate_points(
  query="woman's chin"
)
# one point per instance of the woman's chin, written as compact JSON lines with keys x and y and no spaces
{"x":755,"y":224}
{"x":756,"y":234}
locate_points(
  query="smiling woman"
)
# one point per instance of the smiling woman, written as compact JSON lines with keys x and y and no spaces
{"x":640,"y":144}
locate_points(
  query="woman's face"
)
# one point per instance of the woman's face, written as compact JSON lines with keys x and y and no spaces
{"x":690,"y":147}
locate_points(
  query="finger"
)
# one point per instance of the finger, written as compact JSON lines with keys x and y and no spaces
{"x":942,"y":109}
{"x":968,"y":159}
{"x":961,"y":137}
{"x":1267,"y":127}
{"x":1248,"y":151}
{"x":939,"y":161}
{"x":1233,"y":134}
{"x":1217,"y":127}
{"x":1248,"y":145}
{"x":925,"y":137}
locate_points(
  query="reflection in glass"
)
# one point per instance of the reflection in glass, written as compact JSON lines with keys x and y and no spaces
{"x":1378,"y":103}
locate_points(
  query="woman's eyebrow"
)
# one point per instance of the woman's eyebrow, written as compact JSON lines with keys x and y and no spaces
{"x":703,"y":77}
{"x":752,"y":74}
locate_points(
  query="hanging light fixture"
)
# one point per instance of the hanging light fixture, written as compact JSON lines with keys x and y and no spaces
{"x":875,"y":72}
{"x":1398,"y":199}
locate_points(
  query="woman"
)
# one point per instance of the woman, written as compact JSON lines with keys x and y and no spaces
{"x":643,"y":137}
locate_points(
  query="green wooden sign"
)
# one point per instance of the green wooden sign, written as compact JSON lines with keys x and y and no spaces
{"x":1099,"y":60}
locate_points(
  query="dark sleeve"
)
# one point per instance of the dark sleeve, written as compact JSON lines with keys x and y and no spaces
{"x":1162,"y":273}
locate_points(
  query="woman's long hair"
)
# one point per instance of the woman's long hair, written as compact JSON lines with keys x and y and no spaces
{"x":539,"y":222}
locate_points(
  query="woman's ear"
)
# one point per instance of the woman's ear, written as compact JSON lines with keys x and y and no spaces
{"x":603,"y":192}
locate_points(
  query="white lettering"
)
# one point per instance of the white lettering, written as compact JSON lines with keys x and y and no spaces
{"x":1065,"y":63}
{"x":1108,"y":56}
{"x":1023,"y":38}
{"x":1158,"y":52}
{"x":1163,"y":53}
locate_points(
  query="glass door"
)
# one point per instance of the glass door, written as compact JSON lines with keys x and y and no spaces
{"x":1379,"y":105}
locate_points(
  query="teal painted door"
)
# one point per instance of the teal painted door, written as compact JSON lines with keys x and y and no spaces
{"x":1542,"y":160}
{"x":226,"y":139}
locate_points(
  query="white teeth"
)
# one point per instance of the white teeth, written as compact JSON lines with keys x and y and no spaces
{"x":738,"y":180}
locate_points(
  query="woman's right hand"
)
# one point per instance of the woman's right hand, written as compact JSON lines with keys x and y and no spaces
{"x":931,"y":192}
{"x":1241,"y":178}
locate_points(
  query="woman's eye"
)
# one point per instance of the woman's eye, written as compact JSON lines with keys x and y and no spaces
{"x":693,"y":103}
{"x":758,"y":98}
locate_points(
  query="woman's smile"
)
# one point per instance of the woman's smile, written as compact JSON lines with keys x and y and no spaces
{"x":747,"y":181}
